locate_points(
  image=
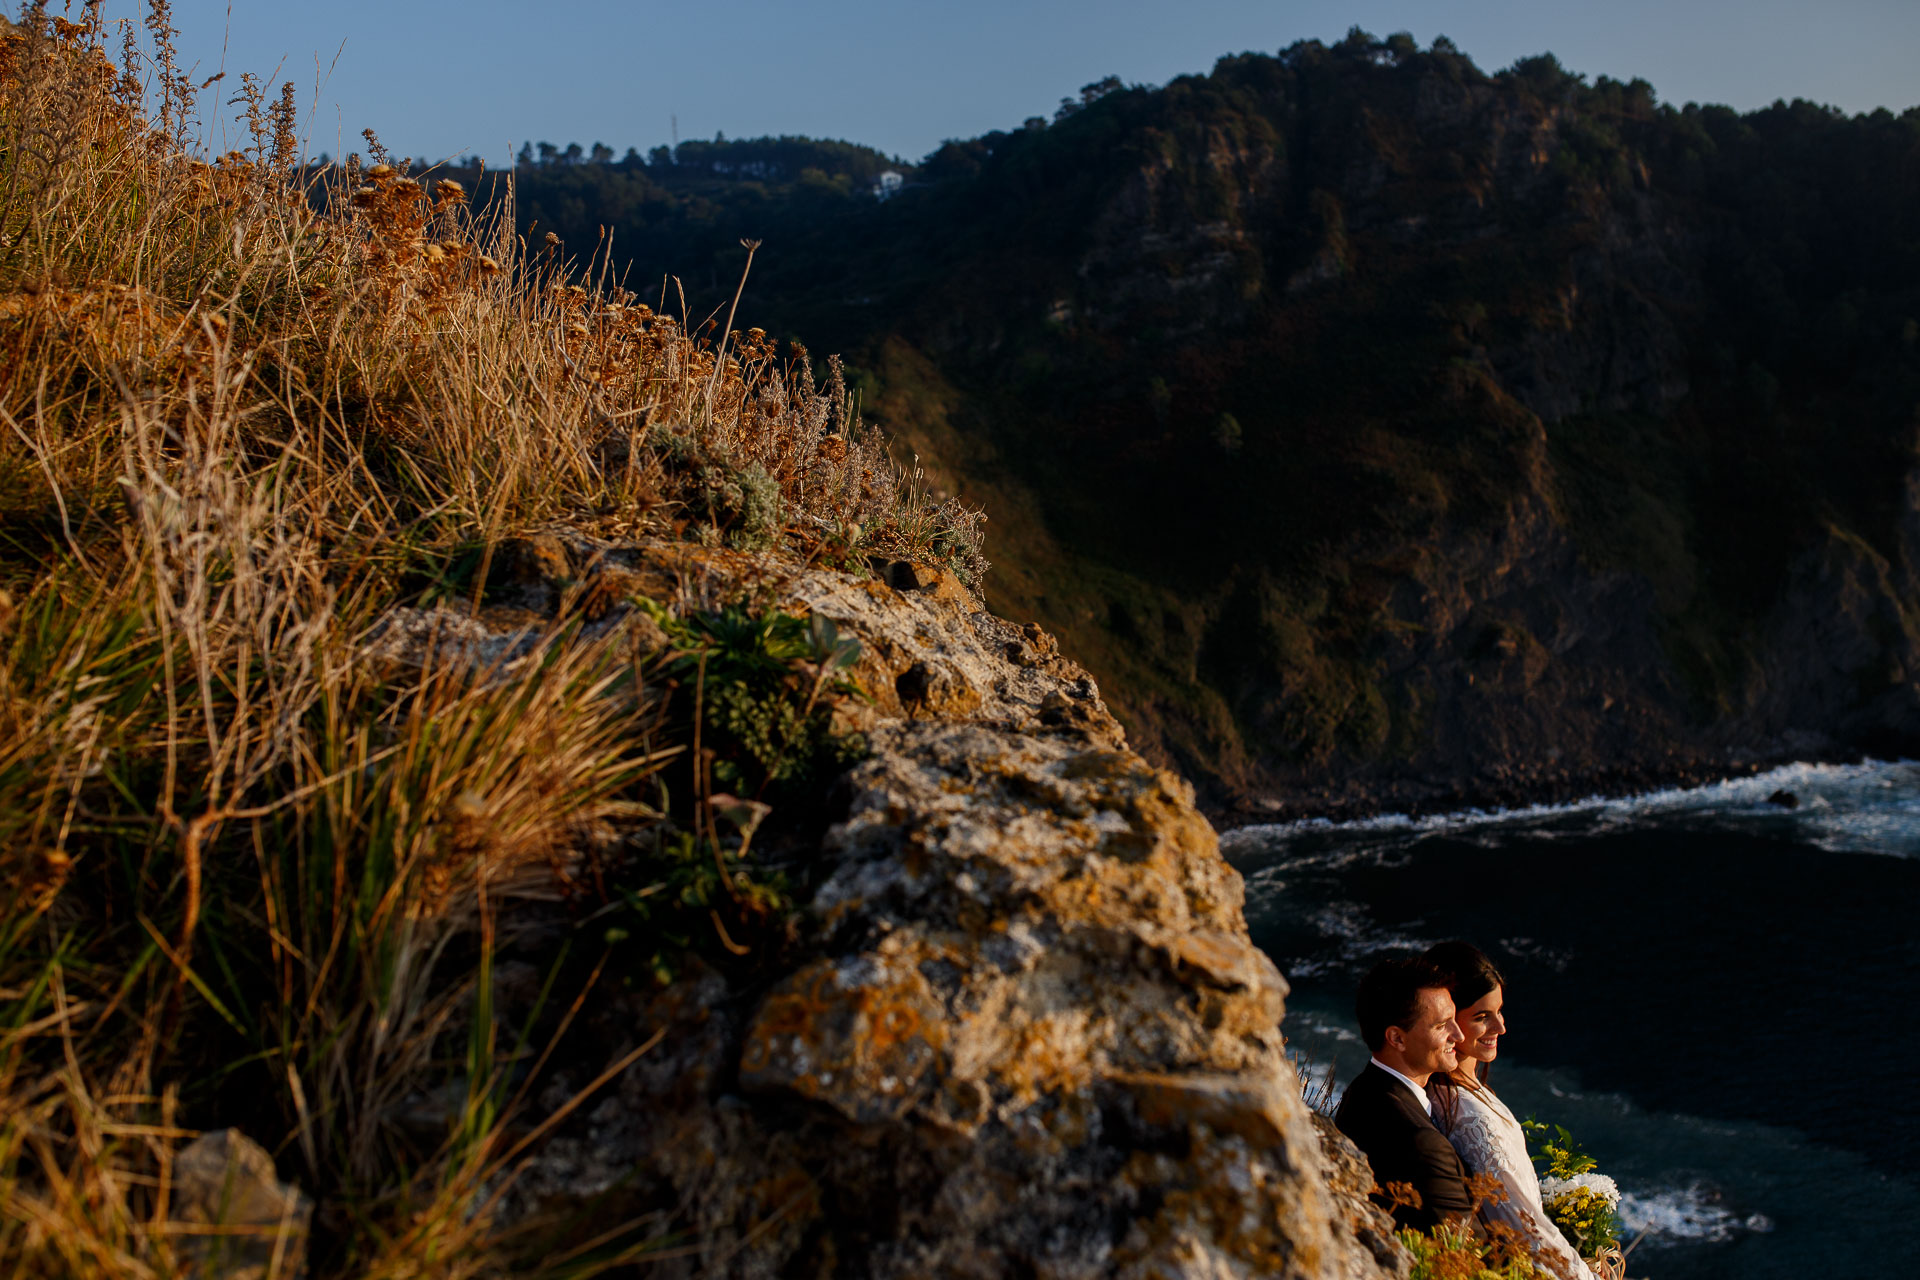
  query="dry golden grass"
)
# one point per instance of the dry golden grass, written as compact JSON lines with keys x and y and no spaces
{"x":240,"y":406}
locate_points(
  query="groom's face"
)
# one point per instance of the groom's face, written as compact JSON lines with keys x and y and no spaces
{"x":1432,"y":1041}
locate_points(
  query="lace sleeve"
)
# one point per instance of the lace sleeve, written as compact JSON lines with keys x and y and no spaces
{"x":1467,"y":1127}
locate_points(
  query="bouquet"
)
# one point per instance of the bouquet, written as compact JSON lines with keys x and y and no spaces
{"x":1583,"y":1204}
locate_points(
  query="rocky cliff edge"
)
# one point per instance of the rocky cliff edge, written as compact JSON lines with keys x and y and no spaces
{"x":1024,"y":1032}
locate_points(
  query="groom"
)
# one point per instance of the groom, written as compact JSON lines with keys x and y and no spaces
{"x":1406,"y":1018}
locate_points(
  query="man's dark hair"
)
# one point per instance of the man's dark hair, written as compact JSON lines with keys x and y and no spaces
{"x":1389,"y":996}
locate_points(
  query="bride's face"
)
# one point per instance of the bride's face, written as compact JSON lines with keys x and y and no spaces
{"x":1483,"y":1024}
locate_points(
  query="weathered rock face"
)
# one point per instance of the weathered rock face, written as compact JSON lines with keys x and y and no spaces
{"x":234,"y":1219}
{"x":1350,"y":1182}
{"x":1028,"y":1034}
{"x":1510,"y":668}
{"x":1845,"y":634}
{"x":1035,"y":956}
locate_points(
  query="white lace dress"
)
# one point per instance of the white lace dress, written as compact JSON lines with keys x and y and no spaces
{"x":1490,"y":1141}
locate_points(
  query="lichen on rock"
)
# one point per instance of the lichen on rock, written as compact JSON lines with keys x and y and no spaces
{"x":1027,"y":1033}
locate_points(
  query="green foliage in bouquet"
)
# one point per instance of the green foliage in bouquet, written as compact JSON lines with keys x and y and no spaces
{"x":1582,"y":1203}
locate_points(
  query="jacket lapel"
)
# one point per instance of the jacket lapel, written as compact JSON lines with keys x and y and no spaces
{"x":1402,"y":1096}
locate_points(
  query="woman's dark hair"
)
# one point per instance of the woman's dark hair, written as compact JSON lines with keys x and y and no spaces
{"x":1468,"y":973}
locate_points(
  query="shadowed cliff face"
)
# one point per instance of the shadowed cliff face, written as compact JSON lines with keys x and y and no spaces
{"x":1396,"y":434}
{"x":1380,"y":431}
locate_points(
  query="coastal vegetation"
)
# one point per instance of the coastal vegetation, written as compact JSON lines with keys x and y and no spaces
{"x":403,"y":677}
{"x":309,"y":668}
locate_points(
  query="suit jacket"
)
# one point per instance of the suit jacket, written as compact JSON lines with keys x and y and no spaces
{"x":1385,"y":1120}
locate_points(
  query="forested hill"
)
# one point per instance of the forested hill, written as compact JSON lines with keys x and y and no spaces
{"x":1378,"y":429}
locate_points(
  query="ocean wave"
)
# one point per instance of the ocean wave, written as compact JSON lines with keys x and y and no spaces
{"x":1870,"y":807}
{"x":1346,"y":935}
{"x":1692,"y":1214}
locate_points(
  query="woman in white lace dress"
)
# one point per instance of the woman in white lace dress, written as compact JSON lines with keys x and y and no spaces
{"x":1485,"y":1133}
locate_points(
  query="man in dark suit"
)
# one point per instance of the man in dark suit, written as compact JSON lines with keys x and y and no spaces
{"x":1406,"y":1018}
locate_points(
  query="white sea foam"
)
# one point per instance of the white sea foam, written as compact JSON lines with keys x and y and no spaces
{"x":1350,"y":934}
{"x":1691,"y":1214}
{"x":1871,"y":807}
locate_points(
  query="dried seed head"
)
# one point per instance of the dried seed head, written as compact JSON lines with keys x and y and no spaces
{"x":380,"y":171}
{"x":436,"y":255}
{"x":470,"y":804}
{"x":487,"y":264}
{"x":450,"y":191}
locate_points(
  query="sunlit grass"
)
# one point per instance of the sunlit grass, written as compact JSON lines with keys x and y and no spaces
{"x":249,"y":873}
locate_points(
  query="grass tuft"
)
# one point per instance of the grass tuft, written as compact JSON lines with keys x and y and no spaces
{"x":264,"y":433}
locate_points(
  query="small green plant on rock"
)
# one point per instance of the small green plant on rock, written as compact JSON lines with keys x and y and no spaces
{"x":763,"y":685}
{"x":753,"y":691}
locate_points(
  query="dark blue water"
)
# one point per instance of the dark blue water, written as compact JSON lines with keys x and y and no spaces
{"x":1719,"y":997}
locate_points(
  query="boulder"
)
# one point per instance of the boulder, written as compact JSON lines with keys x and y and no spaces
{"x":1021,"y":1032}
{"x":233,"y":1219}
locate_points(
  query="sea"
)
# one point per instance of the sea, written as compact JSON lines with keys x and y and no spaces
{"x":1718,"y":995}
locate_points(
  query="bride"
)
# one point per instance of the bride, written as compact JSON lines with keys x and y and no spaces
{"x":1479,"y":1125}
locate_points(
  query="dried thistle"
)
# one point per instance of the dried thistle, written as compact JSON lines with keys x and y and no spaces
{"x":284,"y":117}
{"x":255,"y":113}
{"x":374,"y":149}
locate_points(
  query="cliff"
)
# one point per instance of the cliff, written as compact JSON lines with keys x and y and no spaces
{"x":1021,"y":1031}
{"x":504,"y":779}
{"x":495,"y":782}
{"x":1381,"y":431}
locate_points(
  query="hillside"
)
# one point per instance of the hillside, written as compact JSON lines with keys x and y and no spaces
{"x":497,"y":779}
{"x":1384,"y":431}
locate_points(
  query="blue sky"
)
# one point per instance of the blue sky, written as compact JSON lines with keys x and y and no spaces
{"x":436,"y":77}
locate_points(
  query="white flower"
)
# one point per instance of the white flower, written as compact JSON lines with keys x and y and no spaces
{"x":1600,"y":1184}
